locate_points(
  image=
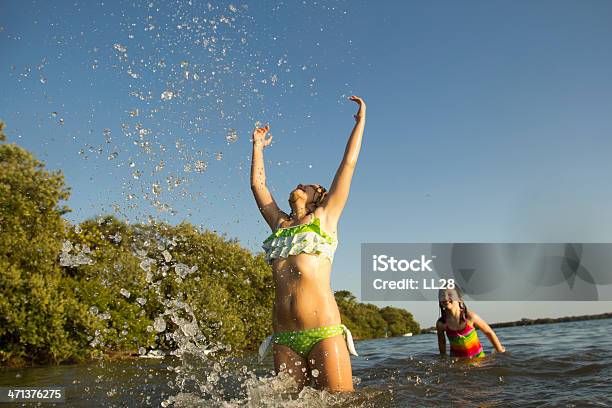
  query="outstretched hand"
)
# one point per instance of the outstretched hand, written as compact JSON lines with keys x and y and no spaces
{"x":362,"y":106}
{"x":259,"y":136}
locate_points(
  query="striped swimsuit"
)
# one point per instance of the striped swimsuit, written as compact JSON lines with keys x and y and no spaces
{"x":464,"y":343}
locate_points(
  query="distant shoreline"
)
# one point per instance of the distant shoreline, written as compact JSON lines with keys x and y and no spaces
{"x":530,"y":322}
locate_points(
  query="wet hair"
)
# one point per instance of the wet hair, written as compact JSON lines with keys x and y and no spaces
{"x":322,"y":195}
{"x":457,"y":296}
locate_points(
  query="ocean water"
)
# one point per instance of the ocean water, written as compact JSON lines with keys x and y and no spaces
{"x":552,"y":365}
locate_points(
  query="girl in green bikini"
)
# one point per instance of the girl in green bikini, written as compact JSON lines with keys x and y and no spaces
{"x":310,"y":343}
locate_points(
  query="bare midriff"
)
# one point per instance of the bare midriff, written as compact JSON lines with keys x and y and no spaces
{"x":304,"y":298}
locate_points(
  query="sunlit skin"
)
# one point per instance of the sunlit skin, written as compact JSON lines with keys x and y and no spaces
{"x":303,"y":295}
{"x":452,"y":306}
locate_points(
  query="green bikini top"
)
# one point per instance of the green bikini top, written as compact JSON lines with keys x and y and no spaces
{"x":303,"y":238}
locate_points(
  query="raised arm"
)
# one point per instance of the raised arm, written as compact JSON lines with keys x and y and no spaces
{"x":265,"y":202}
{"x":441,"y":338}
{"x":487,"y":330}
{"x":339,"y":190}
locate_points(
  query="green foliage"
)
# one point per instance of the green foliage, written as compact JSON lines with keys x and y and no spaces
{"x":238,"y":286}
{"x":228,"y":289}
{"x":35,"y":310}
{"x":98,"y":286}
{"x":367,"y":321}
{"x":30,"y":215}
{"x":399,"y":321}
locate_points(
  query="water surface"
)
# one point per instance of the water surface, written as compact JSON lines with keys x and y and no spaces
{"x":552,"y":365}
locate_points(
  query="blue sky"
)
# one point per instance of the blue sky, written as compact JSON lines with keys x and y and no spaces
{"x":488,"y":121}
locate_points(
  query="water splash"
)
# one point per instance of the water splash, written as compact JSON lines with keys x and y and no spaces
{"x":79,"y":257}
{"x":232,"y":135}
{"x":167,"y":95}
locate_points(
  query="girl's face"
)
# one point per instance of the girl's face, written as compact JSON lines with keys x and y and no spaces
{"x":306,"y":193}
{"x":449,"y":304}
{"x":449,"y":301}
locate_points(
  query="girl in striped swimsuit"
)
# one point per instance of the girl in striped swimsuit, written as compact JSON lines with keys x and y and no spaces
{"x":460,"y":325}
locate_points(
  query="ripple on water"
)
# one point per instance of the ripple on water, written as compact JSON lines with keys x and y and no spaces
{"x":390,"y":373}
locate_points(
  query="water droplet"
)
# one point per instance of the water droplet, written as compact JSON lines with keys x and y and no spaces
{"x":159,"y":324}
{"x":232,"y":136}
{"x":120,"y":48}
{"x":107,"y":135}
{"x":167,"y":95}
{"x":200,"y":166}
{"x":146,"y":264}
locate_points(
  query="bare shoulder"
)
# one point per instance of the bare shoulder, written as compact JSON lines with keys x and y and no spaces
{"x":440,"y":325}
{"x":280,"y":219}
{"x":474,"y":319}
